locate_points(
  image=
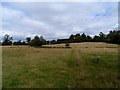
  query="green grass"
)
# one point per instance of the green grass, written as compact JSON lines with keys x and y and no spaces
{"x":85,"y":65}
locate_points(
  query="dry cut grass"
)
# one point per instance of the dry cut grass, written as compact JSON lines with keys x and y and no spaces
{"x":85,"y":65}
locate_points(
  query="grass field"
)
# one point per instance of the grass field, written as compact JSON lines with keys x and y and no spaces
{"x":85,"y":65}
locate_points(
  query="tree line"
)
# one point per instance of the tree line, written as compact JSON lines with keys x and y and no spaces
{"x":111,"y":37}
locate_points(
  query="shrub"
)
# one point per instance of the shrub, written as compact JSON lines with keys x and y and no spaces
{"x":67,"y":44}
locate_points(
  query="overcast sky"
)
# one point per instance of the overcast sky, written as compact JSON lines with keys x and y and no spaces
{"x":57,"y":20}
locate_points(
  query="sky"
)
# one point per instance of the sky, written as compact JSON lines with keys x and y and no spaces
{"x":55,"y":20}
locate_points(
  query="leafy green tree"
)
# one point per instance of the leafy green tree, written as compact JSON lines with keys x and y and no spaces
{"x":102,"y":36}
{"x":7,"y":40}
{"x":113,"y":37}
{"x":83,"y":37}
{"x":37,"y":41}
{"x":77,"y":38}
{"x":96,"y":38}
{"x":42,"y":40}
{"x":88,"y":38}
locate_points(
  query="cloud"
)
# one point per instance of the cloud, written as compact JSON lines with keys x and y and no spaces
{"x":58,"y":20}
{"x":60,"y":0}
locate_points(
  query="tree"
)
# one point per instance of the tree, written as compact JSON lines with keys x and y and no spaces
{"x":88,"y":38}
{"x":47,"y":42}
{"x":77,"y":38}
{"x":42,"y":40}
{"x":53,"y":42}
{"x":28,"y":39}
{"x":102,"y":36}
{"x":7,"y":40}
{"x":83,"y":37}
{"x":96,"y":38}
{"x":113,"y":37}
{"x":19,"y":42}
{"x":71,"y":38}
{"x":37,"y":41}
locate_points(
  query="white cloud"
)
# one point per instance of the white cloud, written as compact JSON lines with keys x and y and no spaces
{"x":60,"y":0}
{"x":58,"y":20}
{"x":58,"y":6}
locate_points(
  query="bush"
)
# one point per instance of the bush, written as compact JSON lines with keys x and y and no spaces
{"x":67,"y":44}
